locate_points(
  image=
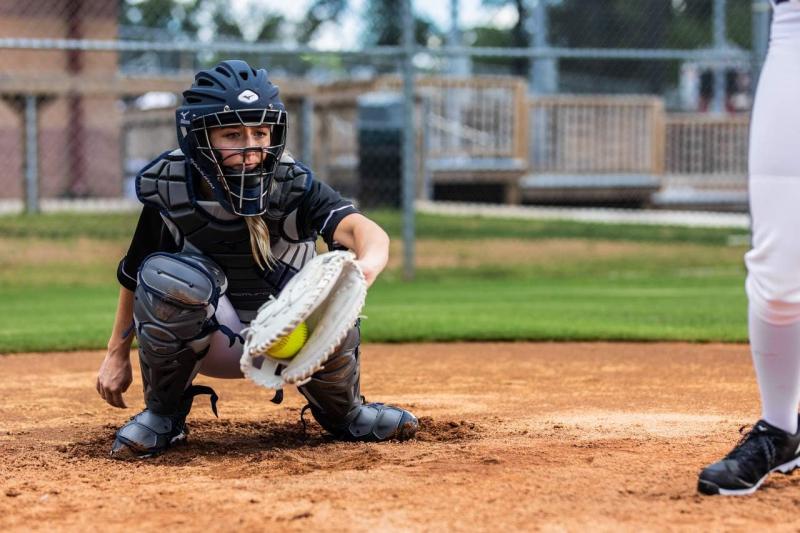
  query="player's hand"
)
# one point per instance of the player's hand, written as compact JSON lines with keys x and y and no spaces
{"x":370,"y":270}
{"x":114,"y":378}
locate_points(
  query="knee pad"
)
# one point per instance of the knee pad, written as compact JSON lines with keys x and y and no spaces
{"x":175,"y":300}
{"x":176,"y":296}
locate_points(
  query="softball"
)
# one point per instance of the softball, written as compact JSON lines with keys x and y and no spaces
{"x":289,"y":345}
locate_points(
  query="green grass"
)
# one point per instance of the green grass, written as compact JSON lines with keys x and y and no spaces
{"x":468,"y":228}
{"x":670,"y":284}
{"x":116,"y":226}
{"x":665,"y":308}
{"x":120,"y":226}
{"x":59,"y":318}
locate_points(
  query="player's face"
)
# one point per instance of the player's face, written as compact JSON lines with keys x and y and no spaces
{"x":232,"y":143}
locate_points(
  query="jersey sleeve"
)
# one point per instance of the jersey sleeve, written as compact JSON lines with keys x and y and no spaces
{"x":321,"y":211}
{"x":151,"y":235}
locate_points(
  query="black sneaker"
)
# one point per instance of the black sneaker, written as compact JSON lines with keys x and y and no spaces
{"x":762,"y":450}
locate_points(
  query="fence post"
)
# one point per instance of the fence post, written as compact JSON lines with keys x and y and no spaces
{"x":409,"y":137}
{"x":459,"y":67}
{"x":460,"y":64}
{"x":31,"y":154}
{"x":307,"y":119}
{"x":720,"y":31}
{"x":543,"y":74}
{"x":761,"y":19}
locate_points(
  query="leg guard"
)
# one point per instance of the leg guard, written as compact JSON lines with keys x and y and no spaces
{"x":149,"y":433}
{"x":335,"y":401}
{"x":175,"y":301}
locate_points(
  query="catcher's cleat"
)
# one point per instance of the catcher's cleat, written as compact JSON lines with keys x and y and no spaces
{"x":369,"y":422}
{"x":148,"y":433}
{"x":762,"y":450}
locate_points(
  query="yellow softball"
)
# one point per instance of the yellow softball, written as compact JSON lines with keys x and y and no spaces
{"x":289,"y":345}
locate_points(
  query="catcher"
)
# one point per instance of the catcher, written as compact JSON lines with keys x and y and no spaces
{"x":228,"y":220}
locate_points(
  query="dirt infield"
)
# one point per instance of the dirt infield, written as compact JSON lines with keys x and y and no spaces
{"x":514,"y":436}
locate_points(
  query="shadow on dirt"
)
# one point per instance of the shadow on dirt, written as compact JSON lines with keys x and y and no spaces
{"x":219,"y":439}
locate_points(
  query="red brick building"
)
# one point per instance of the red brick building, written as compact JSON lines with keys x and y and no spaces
{"x":79,"y":124}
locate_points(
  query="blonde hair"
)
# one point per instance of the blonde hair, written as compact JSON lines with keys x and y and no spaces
{"x":259,"y":242}
{"x":259,"y":232}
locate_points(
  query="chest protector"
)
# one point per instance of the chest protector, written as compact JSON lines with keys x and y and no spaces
{"x":224,"y":237}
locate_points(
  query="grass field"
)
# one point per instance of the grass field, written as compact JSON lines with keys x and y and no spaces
{"x":477,"y":279}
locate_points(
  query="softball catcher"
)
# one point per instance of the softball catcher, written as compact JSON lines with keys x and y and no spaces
{"x":229,"y":219}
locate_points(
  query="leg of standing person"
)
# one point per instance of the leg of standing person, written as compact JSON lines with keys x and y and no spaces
{"x":773,"y":281}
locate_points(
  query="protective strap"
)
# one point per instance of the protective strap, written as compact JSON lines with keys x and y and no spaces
{"x":228,"y":332}
{"x":129,"y":330}
{"x":278,"y":397}
{"x":196,"y":390}
{"x":305,"y":408}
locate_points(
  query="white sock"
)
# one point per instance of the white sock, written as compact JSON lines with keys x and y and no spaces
{"x":776,"y":358}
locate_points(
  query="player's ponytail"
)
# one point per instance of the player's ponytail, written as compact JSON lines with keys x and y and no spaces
{"x":259,"y":241}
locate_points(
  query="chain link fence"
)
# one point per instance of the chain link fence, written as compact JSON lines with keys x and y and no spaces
{"x":559,"y":102}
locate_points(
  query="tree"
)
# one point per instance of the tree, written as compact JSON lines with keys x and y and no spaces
{"x":194,"y":20}
{"x":319,"y":12}
{"x":385,"y":25}
{"x":518,"y":37}
{"x":642,"y":24}
{"x":198,"y":20}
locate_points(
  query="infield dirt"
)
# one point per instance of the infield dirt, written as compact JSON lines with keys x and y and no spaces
{"x":550,"y":437}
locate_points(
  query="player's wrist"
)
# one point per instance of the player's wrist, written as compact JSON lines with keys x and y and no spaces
{"x":119,"y":349}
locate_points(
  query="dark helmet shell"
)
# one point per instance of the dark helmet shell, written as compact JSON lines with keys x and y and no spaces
{"x":232,"y":94}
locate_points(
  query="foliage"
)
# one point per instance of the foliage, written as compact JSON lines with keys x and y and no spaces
{"x":320,"y":12}
{"x":385,"y":25}
{"x":201,"y":20}
{"x":643,"y":24}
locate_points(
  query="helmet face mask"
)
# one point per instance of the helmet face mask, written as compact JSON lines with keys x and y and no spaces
{"x":234,"y":97}
{"x":246,"y":173}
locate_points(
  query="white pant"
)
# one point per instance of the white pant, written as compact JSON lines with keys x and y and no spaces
{"x":773,"y":281}
{"x":222,"y":359}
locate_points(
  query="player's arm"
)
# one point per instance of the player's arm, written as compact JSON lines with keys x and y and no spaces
{"x":367,"y":240}
{"x":115,"y":375}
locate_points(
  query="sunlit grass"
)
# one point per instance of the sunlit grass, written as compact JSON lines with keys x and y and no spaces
{"x":58,"y":286}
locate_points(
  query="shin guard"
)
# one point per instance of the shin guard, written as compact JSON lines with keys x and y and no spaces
{"x":336,"y":403}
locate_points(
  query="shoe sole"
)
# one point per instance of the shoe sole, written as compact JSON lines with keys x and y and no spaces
{"x":712,"y":489}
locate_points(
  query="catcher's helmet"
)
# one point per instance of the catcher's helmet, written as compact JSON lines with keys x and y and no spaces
{"x":233,"y":94}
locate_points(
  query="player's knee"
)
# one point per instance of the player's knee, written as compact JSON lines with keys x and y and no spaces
{"x":773,"y":286}
{"x":175,"y":296}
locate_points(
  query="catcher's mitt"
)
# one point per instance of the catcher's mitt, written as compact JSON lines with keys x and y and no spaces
{"x":328,"y":294}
